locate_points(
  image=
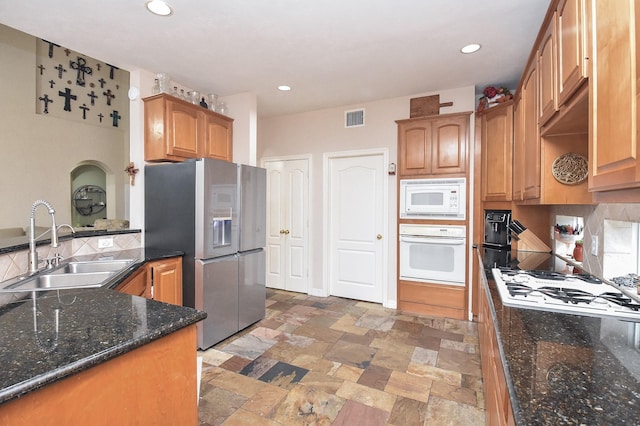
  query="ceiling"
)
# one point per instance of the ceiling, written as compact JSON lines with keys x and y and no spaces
{"x":331,"y":52}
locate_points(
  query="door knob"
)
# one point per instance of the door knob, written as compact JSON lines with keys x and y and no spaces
{"x":281,"y":231}
{"x":286,"y":232}
{"x":379,"y":237}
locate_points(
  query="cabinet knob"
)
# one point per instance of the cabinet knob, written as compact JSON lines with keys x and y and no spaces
{"x":379,"y":236}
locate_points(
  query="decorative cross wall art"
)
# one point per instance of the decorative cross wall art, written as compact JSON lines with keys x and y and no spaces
{"x":77,"y":87}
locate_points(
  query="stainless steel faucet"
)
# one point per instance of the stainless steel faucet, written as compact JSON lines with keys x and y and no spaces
{"x":33,"y":254}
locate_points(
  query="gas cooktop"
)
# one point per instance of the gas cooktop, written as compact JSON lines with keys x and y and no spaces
{"x":579,"y":294}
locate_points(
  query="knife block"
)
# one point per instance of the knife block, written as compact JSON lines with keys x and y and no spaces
{"x":528,"y":241}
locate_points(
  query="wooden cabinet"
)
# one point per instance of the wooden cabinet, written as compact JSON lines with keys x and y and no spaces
{"x":175,"y":130}
{"x":571,"y":51}
{"x":614,"y":154}
{"x":435,"y":145}
{"x":497,"y":152}
{"x":527,"y":158}
{"x":165,"y":277}
{"x":497,"y":402}
{"x":518,"y":151}
{"x":432,"y":299}
{"x":547,"y":72}
{"x":136,"y":284}
{"x":154,"y":384}
{"x":159,"y":280}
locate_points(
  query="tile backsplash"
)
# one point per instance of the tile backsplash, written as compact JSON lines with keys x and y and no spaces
{"x":15,"y":263}
{"x":594,"y":217}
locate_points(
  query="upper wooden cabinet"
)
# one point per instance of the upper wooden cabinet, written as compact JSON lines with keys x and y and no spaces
{"x":434,"y":145}
{"x":571,"y":51}
{"x":529,"y":159}
{"x":176,"y":130}
{"x":497,"y":152}
{"x":613,"y":91}
{"x":547,"y":72}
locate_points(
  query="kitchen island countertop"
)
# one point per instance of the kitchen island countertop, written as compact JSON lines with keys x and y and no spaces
{"x":567,"y":369}
{"x":50,"y":335}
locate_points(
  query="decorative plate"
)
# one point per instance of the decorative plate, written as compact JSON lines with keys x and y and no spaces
{"x":570,"y":168}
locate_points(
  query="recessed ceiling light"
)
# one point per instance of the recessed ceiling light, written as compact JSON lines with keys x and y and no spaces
{"x":284,"y":88}
{"x":159,"y":7}
{"x":470,"y":48}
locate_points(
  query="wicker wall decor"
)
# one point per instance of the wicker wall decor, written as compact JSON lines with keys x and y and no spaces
{"x":77,"y":87}
{"x":570,"y":168}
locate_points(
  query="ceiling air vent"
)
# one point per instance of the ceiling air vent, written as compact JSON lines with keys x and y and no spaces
{"x":354,"y":118}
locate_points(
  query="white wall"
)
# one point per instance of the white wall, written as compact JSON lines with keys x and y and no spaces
{"x":317,"y":132}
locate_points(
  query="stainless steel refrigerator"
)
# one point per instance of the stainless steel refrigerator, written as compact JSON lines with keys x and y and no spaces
{"x":215,"y":212}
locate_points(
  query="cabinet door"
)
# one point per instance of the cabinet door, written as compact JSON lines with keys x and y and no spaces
{"x":614,"y":156}
{"x":530,"y":161}
{"x":136,"y":284}
{"x":518,"y":150}
{"x":449,"y":145}
{"x":414,"y":147}
{"x":166,"y":279}
{"x":183,"y":129}
{"x":571,"y":48}
{"x":497,"y":145}
{"x":218,"y":137}
{"x":546,"y":72}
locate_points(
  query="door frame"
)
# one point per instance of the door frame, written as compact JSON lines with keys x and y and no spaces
{"x":327,"y":157}
{"x":309,"y":159}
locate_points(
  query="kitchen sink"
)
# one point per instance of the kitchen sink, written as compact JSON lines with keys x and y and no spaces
{"x":74,"y":274}
{"x":93,"y":266}
{"x":62,"y":281}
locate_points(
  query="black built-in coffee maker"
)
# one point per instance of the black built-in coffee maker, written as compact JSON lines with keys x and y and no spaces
{"x":497,"y":238}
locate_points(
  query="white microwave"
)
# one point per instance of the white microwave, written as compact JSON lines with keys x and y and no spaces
{"x":440,"y":198}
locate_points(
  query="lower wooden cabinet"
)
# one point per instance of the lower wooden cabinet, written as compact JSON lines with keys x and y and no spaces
{"x":159,"y":280}
{"x":432,"y":299}
{"x":497,"y":403}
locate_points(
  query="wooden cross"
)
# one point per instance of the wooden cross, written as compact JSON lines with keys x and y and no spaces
{"x":51,"y":47}
{"x":51,"y":84}
{"x":67,"y":51}
{"x":109,"y":96}
{"x":68,"y":97}
{"x":60,"y":69}
{"x":112,"y":70}
{"x":98,"y":65}
{"x":102,"y":82}
{"x":84,"y":109}
{"x":101,"y":116}
{"x":81,"y":66}
{"x":46,"y":101}
{"x":93,"y":97}
{"x":42,"y":68}
{"x":115,"y":117}
{"x":131,"y":171}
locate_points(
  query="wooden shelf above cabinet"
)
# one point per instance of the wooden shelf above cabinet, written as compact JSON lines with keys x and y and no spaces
{"x":175,"y":130}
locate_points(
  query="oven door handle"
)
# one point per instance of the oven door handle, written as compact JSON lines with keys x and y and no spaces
{"x":427,"y":240}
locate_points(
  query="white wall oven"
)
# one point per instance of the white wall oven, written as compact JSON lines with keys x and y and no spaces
{"x":433,"y":253}
{"x":438,"y":198}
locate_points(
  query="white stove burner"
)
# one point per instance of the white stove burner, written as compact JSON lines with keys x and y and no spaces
{"x":564,"y":293}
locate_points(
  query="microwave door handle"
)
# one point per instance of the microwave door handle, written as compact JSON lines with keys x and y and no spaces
{"x":442,"y":241}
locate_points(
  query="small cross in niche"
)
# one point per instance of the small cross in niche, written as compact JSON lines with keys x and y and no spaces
{"x":109,"y":96}
{"x":84,"y":109}
{"x":42,"y":68}
{"x":60,"y":69}
{"x":45,"y":99}
{"x":115,"y":117}
{"x":68,"y":97}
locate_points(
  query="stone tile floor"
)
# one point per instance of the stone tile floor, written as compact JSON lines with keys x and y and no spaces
{"x":334,"y":361}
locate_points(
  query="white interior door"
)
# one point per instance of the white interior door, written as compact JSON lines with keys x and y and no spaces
{"x":356,"y":226}
{"x":287,"y":224}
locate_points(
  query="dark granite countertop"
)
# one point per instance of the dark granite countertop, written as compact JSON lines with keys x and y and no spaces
{"x":567,"y":369}
{"x":49,"y":335}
